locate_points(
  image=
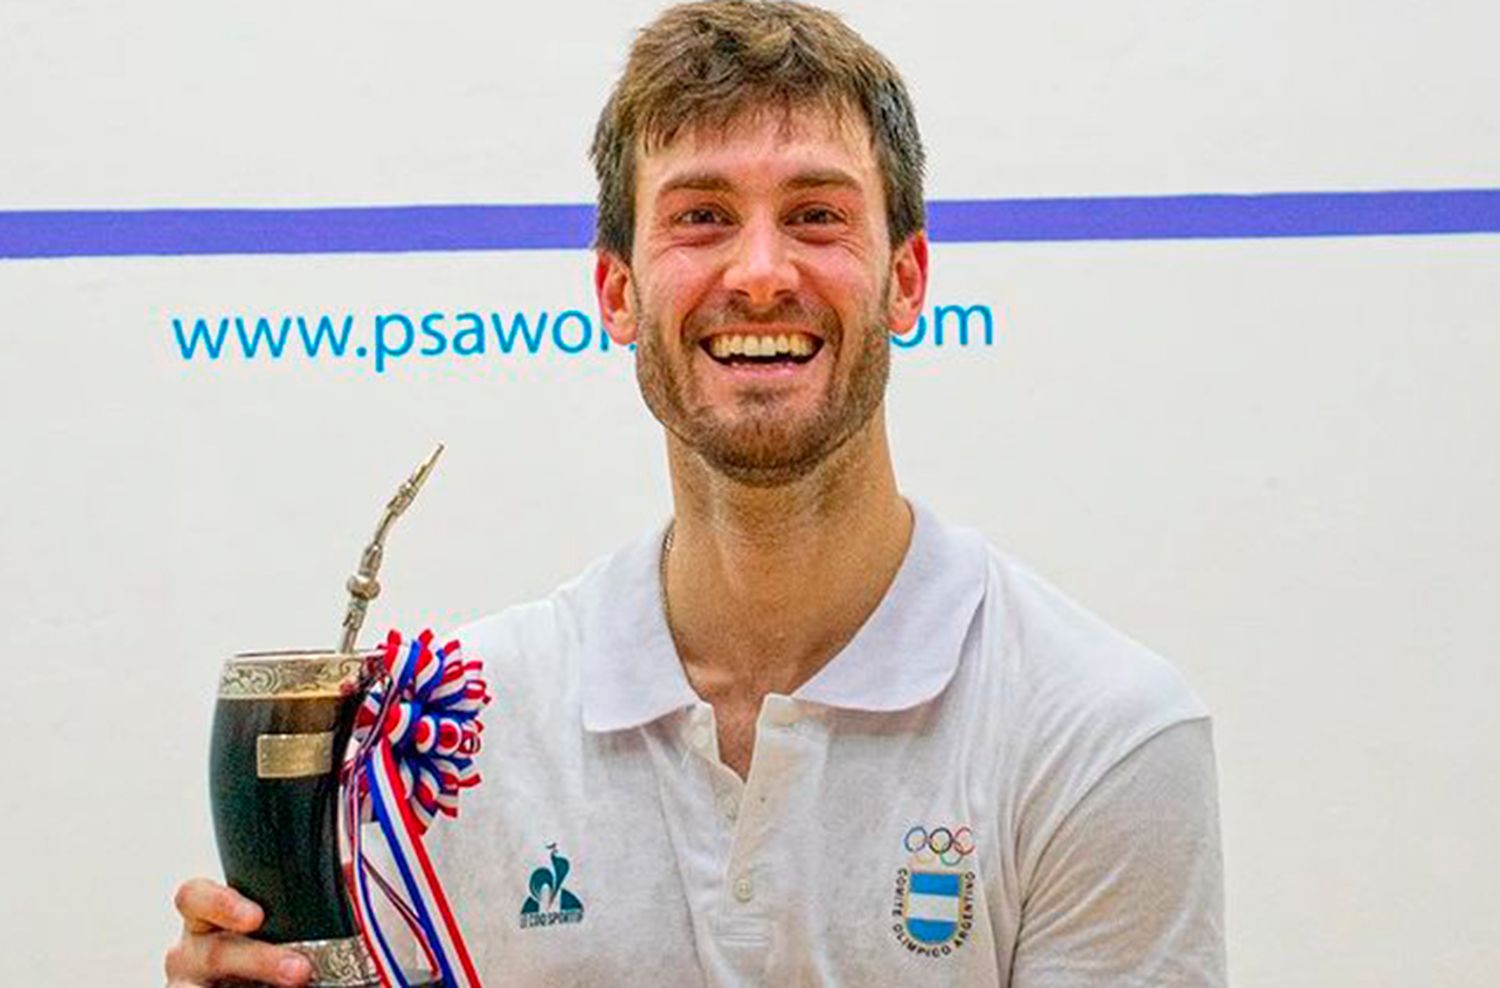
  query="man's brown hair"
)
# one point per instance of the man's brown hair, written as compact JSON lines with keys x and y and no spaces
{"x":709,"y":63}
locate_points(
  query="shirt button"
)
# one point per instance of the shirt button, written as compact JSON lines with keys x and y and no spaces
{"x":743,"y":889}
{"x":728,"y":806}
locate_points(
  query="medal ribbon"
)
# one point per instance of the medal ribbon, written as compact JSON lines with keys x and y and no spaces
{"x":415,"y":737}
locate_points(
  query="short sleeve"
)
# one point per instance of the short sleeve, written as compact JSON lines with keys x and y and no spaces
{"x":1129,"y":889}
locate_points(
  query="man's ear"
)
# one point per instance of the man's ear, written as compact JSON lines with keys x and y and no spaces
{"x":908,"y":283}
{"x":612,"y":286}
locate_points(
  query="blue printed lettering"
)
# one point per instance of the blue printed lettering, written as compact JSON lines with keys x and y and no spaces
{"x":583,"y":340}
{"x":337,"y":339}
{"x":913,"y":338}
{"x":383,"y":350}
{"x":212,"y":342}
{"x":963,"y":312}
{"x":440,"y":342}
{"x":469,"y":340}
{"x":275,"y":342}
{"x":507,"y":338}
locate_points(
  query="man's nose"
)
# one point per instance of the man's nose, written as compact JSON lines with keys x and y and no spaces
{"x":761,"y":269}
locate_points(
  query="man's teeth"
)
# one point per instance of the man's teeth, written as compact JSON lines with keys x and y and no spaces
{"x":793,"y":344}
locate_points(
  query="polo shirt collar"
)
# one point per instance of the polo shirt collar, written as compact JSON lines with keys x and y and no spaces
{"x":903,"y":655}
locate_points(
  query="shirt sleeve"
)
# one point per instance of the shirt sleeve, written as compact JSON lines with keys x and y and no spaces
{"x":1129,"y":890}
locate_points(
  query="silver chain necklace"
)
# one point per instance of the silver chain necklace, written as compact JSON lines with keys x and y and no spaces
{"x":666,"y":552}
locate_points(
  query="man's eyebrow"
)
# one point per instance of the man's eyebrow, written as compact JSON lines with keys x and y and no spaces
{"x":695,"y":182}
{"x":819,"y":178}
{"x":706,"y":181}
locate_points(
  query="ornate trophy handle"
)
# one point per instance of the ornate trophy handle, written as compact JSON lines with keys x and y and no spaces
{"x":363,"y":586}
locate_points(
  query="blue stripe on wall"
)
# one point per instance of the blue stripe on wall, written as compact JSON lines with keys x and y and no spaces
{"x":389,"y":229}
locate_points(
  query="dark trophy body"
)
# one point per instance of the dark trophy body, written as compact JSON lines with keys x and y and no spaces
{"x":281,"y":724}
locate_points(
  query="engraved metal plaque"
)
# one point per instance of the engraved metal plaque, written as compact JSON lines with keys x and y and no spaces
{"x":293,"y":756}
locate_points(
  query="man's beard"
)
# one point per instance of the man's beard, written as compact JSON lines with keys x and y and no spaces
{"x":765,"y":450}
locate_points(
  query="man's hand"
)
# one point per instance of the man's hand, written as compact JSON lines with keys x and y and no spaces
{"x":214,"y":945}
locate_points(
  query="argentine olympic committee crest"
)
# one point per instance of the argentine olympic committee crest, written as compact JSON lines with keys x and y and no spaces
{"x":932,"y":911}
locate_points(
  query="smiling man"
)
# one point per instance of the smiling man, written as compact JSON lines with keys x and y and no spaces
{"x":804,"y":732}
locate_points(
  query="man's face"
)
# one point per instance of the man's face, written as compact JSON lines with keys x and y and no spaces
{"x":759,"y":291}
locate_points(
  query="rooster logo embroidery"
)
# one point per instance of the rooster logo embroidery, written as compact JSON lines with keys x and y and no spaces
{"x":548,"y":902}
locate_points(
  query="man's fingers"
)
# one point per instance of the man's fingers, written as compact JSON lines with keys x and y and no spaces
{"x":212,"y":949}
{"x":207,"y":958}
{"x":207,"y":906}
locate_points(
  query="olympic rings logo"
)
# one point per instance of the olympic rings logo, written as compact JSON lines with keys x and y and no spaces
{"x":939,"y":844}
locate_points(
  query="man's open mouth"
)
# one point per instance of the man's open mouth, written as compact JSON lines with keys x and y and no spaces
{"x":788,"y":348}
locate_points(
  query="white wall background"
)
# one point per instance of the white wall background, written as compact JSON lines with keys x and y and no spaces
{"x":1273,"y":461}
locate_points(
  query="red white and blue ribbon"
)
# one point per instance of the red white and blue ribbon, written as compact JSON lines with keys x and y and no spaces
{"x":412,"y":752}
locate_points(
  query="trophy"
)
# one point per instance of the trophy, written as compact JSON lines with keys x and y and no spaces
{"x":281,"y":765}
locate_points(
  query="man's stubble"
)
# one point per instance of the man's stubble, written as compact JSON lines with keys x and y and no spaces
{"x":765,"y":450}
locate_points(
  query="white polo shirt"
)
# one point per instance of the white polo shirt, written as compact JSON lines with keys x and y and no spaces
{"x":986,"y":786}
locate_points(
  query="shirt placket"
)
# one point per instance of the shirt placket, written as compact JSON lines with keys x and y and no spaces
{"x":752,"y":893}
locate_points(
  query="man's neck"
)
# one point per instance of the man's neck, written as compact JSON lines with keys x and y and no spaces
{"x":765,"y":584}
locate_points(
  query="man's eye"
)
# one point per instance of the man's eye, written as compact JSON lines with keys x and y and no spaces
{"x":816,"y":215}
{"x":699,"y":216}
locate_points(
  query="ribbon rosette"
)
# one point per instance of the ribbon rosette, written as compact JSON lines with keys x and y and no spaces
{"x":415,"y":737}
